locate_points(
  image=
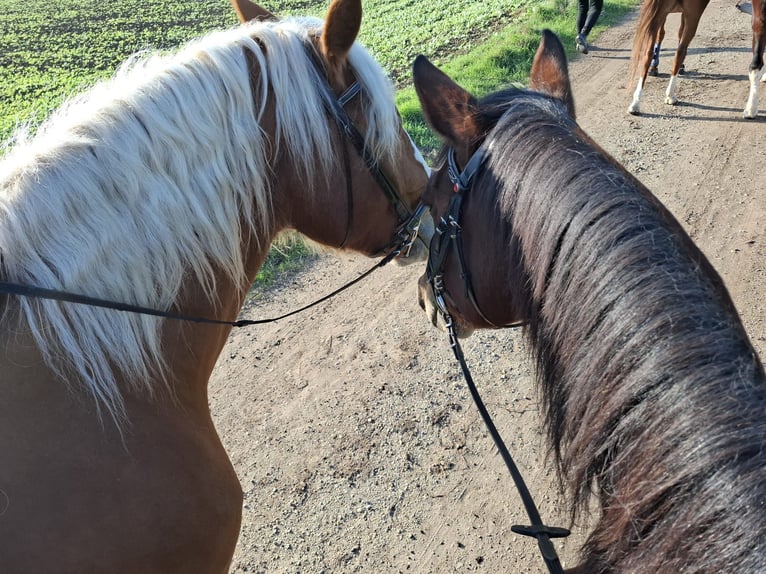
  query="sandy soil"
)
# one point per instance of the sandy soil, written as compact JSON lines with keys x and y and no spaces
{"x":350,"y":427}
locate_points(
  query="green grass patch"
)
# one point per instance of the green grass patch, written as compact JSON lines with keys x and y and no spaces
{"x":288,"y":254}
{"x":506,"y":57}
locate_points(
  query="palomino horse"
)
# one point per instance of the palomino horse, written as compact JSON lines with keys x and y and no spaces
{"x":163,"y":187}
{"x":655,"y":399}
{"x":650,"y":32}
{"x":756,"y":66}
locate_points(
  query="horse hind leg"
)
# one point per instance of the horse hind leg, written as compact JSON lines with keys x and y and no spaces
{"x":688,"y":30}
{"x":751,"y":108}
{"x":642,"y":71}
{"x":682,"y":67}
{"x":756,"y":66}
{"x":635,"y":105}
{"x":655,"y":63}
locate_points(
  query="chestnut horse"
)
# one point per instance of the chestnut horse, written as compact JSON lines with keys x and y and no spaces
{"x":756,"y":65}
{"x":650,"y":32}
{"x":163,"y":187}
{"x":655,"y":399}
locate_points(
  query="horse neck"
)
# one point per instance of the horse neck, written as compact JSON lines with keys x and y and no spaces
{"x":637,"y":342}
{"x":197,"y":347}
{"x":189,"y":181}
{"x":492,"y":259}
{"x":600,"y":245}
{"x":192,"y":348}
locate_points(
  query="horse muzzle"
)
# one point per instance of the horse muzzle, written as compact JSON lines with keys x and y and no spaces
{"x":418,"y":250}
{"x":432,"y":309}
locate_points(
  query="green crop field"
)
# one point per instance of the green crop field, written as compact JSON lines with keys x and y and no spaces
{"x":51,"y":50}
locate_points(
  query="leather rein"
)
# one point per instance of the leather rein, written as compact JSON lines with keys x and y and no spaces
{"x":401,"y":243}
{"x":449,"y":233}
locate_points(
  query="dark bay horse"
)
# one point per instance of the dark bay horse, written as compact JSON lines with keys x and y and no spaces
{"x":756,"y":65}
{"x":164,"y":187}
{"x":650,"y":32}
{"x":654,"y":396}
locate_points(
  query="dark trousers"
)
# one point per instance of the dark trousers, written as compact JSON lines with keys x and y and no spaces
{"x":588,"y":12}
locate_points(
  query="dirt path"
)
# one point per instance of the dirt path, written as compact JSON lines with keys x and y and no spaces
{"x":350,"y":428}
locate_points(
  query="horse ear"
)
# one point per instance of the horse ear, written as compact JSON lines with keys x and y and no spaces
{"x":247,"y":11}
{"x":550,"y":74}
{"x":448,"y":108}
{"x":344,"y":18}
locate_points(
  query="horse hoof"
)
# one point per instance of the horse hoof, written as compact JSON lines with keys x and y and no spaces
{"x":750,"y":114}
{"x":653,"y":71}
{"x":634,"y":110}
{"x":671,"y":100}
{"x":682,"y":70}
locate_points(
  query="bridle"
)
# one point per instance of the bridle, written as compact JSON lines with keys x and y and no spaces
{"x":448,"y":232}
{"x":409,"y":221}
{"x":400,"y":244}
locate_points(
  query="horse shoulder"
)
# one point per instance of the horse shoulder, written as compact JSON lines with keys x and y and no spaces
{"x":157,"y":494}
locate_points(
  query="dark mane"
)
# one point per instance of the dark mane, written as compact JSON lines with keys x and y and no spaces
{"x":655,"y":399}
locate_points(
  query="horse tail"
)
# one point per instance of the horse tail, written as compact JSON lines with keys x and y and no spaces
{"x":650,"y":19}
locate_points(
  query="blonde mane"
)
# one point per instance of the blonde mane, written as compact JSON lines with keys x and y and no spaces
{"x":145,"y":179}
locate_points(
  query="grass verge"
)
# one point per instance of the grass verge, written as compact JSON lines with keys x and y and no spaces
{"x":288,"y":254}
{"x":506,"y":57}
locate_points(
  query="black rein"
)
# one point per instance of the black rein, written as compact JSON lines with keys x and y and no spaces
{"x":447,"y":233}
{"x":66,"y":297}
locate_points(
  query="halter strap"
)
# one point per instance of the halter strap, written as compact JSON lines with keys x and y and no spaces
{"x":335,"y":106}
{"x":409,"y":220}
{"x":352,"y":91}
{"x":408,"y":230}
{"x":462,"y":179}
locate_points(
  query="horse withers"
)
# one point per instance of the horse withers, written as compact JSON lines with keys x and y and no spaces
{"x":654,"y":397}
{"x":163,"y":187}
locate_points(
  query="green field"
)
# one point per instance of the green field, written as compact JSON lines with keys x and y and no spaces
{"x":51,"y":50}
